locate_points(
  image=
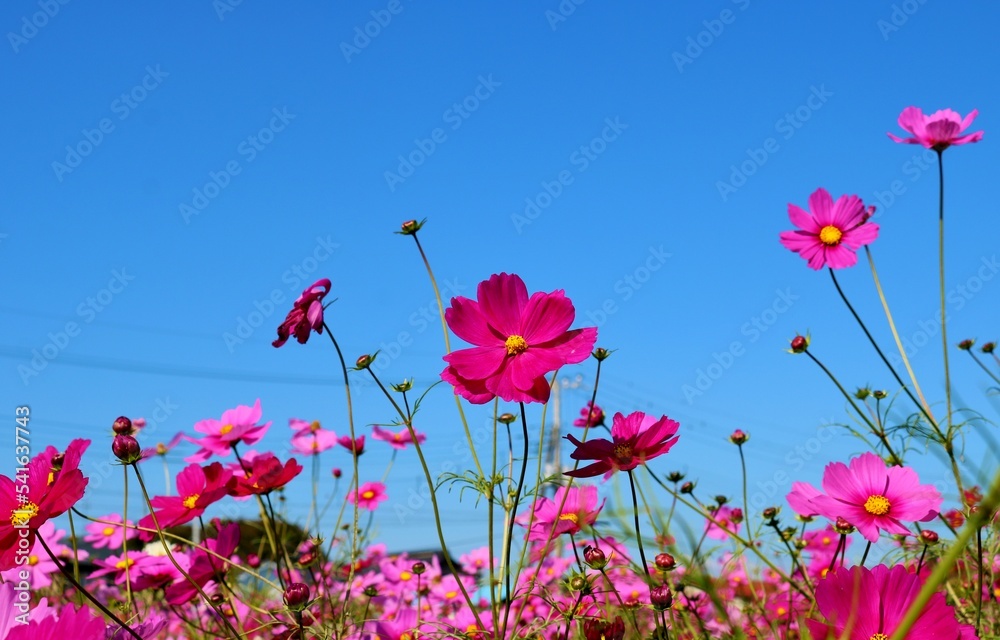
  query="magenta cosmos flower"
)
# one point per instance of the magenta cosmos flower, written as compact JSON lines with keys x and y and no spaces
{"x":636,"y":439}
{"x":591,"y":416}
{"x":861,"y":604}
{"x":518,"y":340}
{"x":368,"y":495}
{"x":237,"y":425}
{"x":869,"y":495}
{"x":396,"y":439}
{"x":937,"y":131}
{"x":306,"y":314}
{"x":579,"y":509}
{"x":38,"y":494}
{"x":197,"y":489}
{"x":831,"y":232}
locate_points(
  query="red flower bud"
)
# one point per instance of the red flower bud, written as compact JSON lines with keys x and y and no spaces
{"x":296,"y":596}
{"x":665,"y":562}
{"x":661,"y":597}
{"x":126,"y":448}
{"x":122,"y":425}
{"x":594,"y":557}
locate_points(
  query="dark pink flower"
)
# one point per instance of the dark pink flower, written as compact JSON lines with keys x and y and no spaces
{"x":636,"y":439}
{"x":869,"y":495}
{"x":726,"y":517}
{"x":937,"y":131}
{"x":197,"y":489}
{"x":518,"y":340}
{"x":831,"y":232}
{"x":265,"y":474}
{"x":355,"y":446}
{"x":590,"y":416}
{"x":306,"y":314}
{"x":861,"y":604}
{"x":79,"y":624}
{"x":205,"y":567}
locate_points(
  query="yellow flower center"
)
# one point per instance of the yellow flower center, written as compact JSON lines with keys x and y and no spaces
{"x":32,"y":561}
{"x":121,"y":564}
{"x":451,"y":594}
{"x":830,"y":235}
{"x":23,"y":515}
{"x":623,"y":452}
{"x":516,"y":344}
{"x":877,"y":505}
{"x":879,"y":636}
{"x":571,"y":517}
{"x":108,"y":531}
{"x":406,"y":636}
{"x":226,"y":428}
{"x":52,"y":478}
{"x":405,"y":575}
{"x":314,"y":426}
{"x":191,"y":500}
{"x":315,"y":445}
{"x":161,"y":449}
{"x":368,"y":495}
{"x":826,"y":540}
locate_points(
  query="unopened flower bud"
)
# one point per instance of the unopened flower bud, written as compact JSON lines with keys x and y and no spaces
{"x":966,"y":344}
{"x":988,"y":347}
{"x":307,"y":558}
{"x":419,"y":568}
{"x":337,"y":472}
{"x":799,"y":344}
{"x":842,"y":526}
{"x":601,"y":354}
{"x":594,"y":557}
{"x":661,"y":597}
{"x":506,"y":418}
{"x":410,"y":227}
{"x":675,"y":476}
{"x":253,"y":560}
{"x":736,"y":515}
{"x":122,"y":425}
{"x":363,"y":362}
{"x":770,"y":513}
{"x":721,"y":500}
{"x":687,"y":487}
{"x":370,"y":591}
{"x":665,"y":562}
{"x":880,"y":394}
{"x":126,"y":449}
{"x":928,"y":537}
{"x":862,"y":393}
{"x":738,"y":437}
{"x":578,"y":582}
{"x":403,"y":386}
{"x":632,"y":602}
{"x":296,"y":596}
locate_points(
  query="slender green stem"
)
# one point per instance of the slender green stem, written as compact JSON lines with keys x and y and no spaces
{"x":895,"y":336}
{"x":355,"y":482}
{"x":638,"y":538}
{"x":746,"y":503}
{"x":510,"y":520}
{"x":984,"y":367}
{"x":76,"y":583}
{"x":490,"y":508}
{"x":979,"y":591}
{"x":447,"y":346}
{"x":944,"y":313}
{"x":864,"y":556}
{"x":128,"y":578}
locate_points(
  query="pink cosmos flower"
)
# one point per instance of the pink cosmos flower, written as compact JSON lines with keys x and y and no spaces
{"x":860,"y":604}
{"x":39,"y":494}
{"x":265,"y":474}
{"x":518,"y":340}
{"x":40,"y":567}
{"x":12,"y":608}
{"x":591,"y":416}
{"x":396,"y":440}
{"x":109,"y":534}
{"x":312,"y":443}
{"x":355,"y":446}
{"x":69,"y":623}
{"x":579,"y":510}
{"x":205,"y":567}
{"x":161,"y":448}
{"x":938,"y":131}
{"x":368,"y":495}
{"x":869,"y":495}
{"x":831,"y":232}
{"x":306,"y":314}
{"x":237,"y":425}
{"x":635,"y":440}
{"x":197,"y":489}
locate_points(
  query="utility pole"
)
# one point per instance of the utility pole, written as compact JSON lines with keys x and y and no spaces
{"x":553,"y":453}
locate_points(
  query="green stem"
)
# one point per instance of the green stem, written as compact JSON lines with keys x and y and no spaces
{"x":746,"y":503}
{"x":944,"y":314}
{"x":510,"y":520}
{"x":128,"y":578}
{"x":984,"y":367}
{"x":638,"y":538}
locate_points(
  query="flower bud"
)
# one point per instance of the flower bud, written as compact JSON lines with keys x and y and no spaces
{"x":880,"y":394}
{"x":736,"y":515}
{"x":842,"y":526}
{"x":661,"y":597}
{"x":928,"y":537}
{"x":307,"y":558}
{"x":253,"y":560}
{"x":800,"y":344}
{"x":122,"y":426}
{"x":126,"y":448}
{"x":296,"y":596}
{"x":862,"y":393}
{"x":363,"y":362}
{"x":687,"y":487}
{"x":738,"y":437}
{"x":337,"y":472}
{"x":411,"y":227}
{"x":578,"y":582}
{"x":988,"y":347}
{"x":419,"y":568}
{"x":770,"y":513}
{"x":370,"y":591}
{"x":403,"y":386}
{"x":675,"y":476}
{"x":506,"y":418}
{"x":594,"y":557}
{"x":721,"y":500}
{"x":664,"y":562}
{"x":601,"y":354}
{"x":966,"y":344}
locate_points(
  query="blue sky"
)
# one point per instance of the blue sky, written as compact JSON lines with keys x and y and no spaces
{"x":175,"y":172}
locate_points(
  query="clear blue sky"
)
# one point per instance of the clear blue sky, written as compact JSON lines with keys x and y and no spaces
{"x":614,"y":122}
